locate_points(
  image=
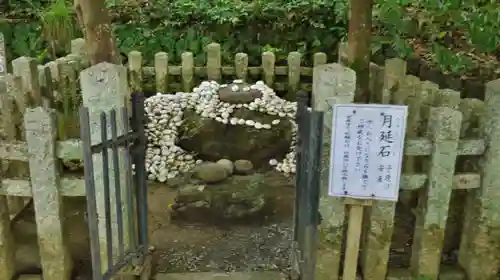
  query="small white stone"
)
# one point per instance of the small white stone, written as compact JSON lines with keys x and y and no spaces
{"x":273,"y":162}
{"x":249,"y":122}
{"x":233,"y":121}
{"x":275,"y":122}
{"x":235,"y":88}
{"x":266,"y":126}
{"x":246,"y":89}
{"x":239,"y":81}
{"x":241,"y":121}
{"x":257,"y":125}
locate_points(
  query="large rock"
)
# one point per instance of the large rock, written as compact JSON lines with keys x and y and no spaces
{"x":212,"y":140}
{"x":244,"y":198}
{"x":235,"y":198}
{"x":211,"y":172}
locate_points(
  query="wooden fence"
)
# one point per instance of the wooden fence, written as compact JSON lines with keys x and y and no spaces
{"x":441,"y":127}
{"x":452,"y":144}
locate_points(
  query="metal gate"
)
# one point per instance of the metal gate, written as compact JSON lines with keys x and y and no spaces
{"x":306,"y":215}
{"x":124,"y":222}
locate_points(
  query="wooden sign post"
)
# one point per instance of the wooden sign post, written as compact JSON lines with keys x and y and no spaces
{"x":365,"y":163}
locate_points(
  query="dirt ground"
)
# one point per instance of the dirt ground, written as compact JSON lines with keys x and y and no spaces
{"x":190,"y":247}
{"x":256,"y":245}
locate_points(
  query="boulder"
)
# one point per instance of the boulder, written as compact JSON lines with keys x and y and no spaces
{"x":235,"y":198}
{"x":211,"y":172}
{"x":251,"y":198}
{"x":228,"y":165}
{"x":212,"y":140}
{"x":243,"y":166}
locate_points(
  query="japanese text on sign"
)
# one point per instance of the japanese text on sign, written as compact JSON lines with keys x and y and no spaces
{"x":367,"y":150}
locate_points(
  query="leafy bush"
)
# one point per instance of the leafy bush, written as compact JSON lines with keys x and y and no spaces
{"x":240,"y":26}
{"x":458,"y":36}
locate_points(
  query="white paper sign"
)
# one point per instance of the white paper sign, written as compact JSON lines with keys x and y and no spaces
{"x":367,"y":150}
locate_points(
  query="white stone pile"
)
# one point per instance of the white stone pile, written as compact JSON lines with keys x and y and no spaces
{"x":165,"y":160}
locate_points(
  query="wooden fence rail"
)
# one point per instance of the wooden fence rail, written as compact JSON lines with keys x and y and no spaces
{"x":442,"y":130}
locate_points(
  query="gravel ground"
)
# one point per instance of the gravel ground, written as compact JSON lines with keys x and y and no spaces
{"x":239,"y":249}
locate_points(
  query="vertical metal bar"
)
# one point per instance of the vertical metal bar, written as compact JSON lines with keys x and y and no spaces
{"x":305,"y":170}
{"x":311,"y":195}
{"x":301,"y":174}
{"x":116,"y":173}
{"x":92,"y":217}
{"x":128,"y":180}
{"x":300,"y":116}
{"x":140,"y":168}
{"x":303,"y":131}
{"x":107,"y":201}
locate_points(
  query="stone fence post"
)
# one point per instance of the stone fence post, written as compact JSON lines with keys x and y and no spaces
{"x":105,"y":87}
{"x":41,"y":135}
{"x":332,"y":82}
{"x":481,"y":239}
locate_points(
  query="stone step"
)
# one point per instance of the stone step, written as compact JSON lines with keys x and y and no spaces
{"x":267,"y":275}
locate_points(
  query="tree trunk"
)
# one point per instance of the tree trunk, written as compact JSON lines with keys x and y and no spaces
{"x":359,"y":50}
{"x":96,"y":26}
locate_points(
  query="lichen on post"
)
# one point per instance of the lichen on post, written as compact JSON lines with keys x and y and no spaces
{"x":41,"y":137}
{"x":293,"y":73}
{"x":472,"y":110}
{"x":7,"y":246}
{"x":26,"y":68}
{"x":444,"y":131}
{"x":187,"y":71}
{"x":331,"y":82}
{"x":482,"y":260}
{"x":135,"y":70}
{"x":241,"y":66}
{"x":214,"y":62}
{"x":161,"y":72}
{"x":268,"y":61}
{"x":394,"y":72}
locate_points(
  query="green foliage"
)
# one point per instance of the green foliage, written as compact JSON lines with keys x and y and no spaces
{"x":454,"y":31}
{"x":58,"y":25}
{"x":252,"y":27}
{"x":46,"y":37}
{"x":188,"y":25}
